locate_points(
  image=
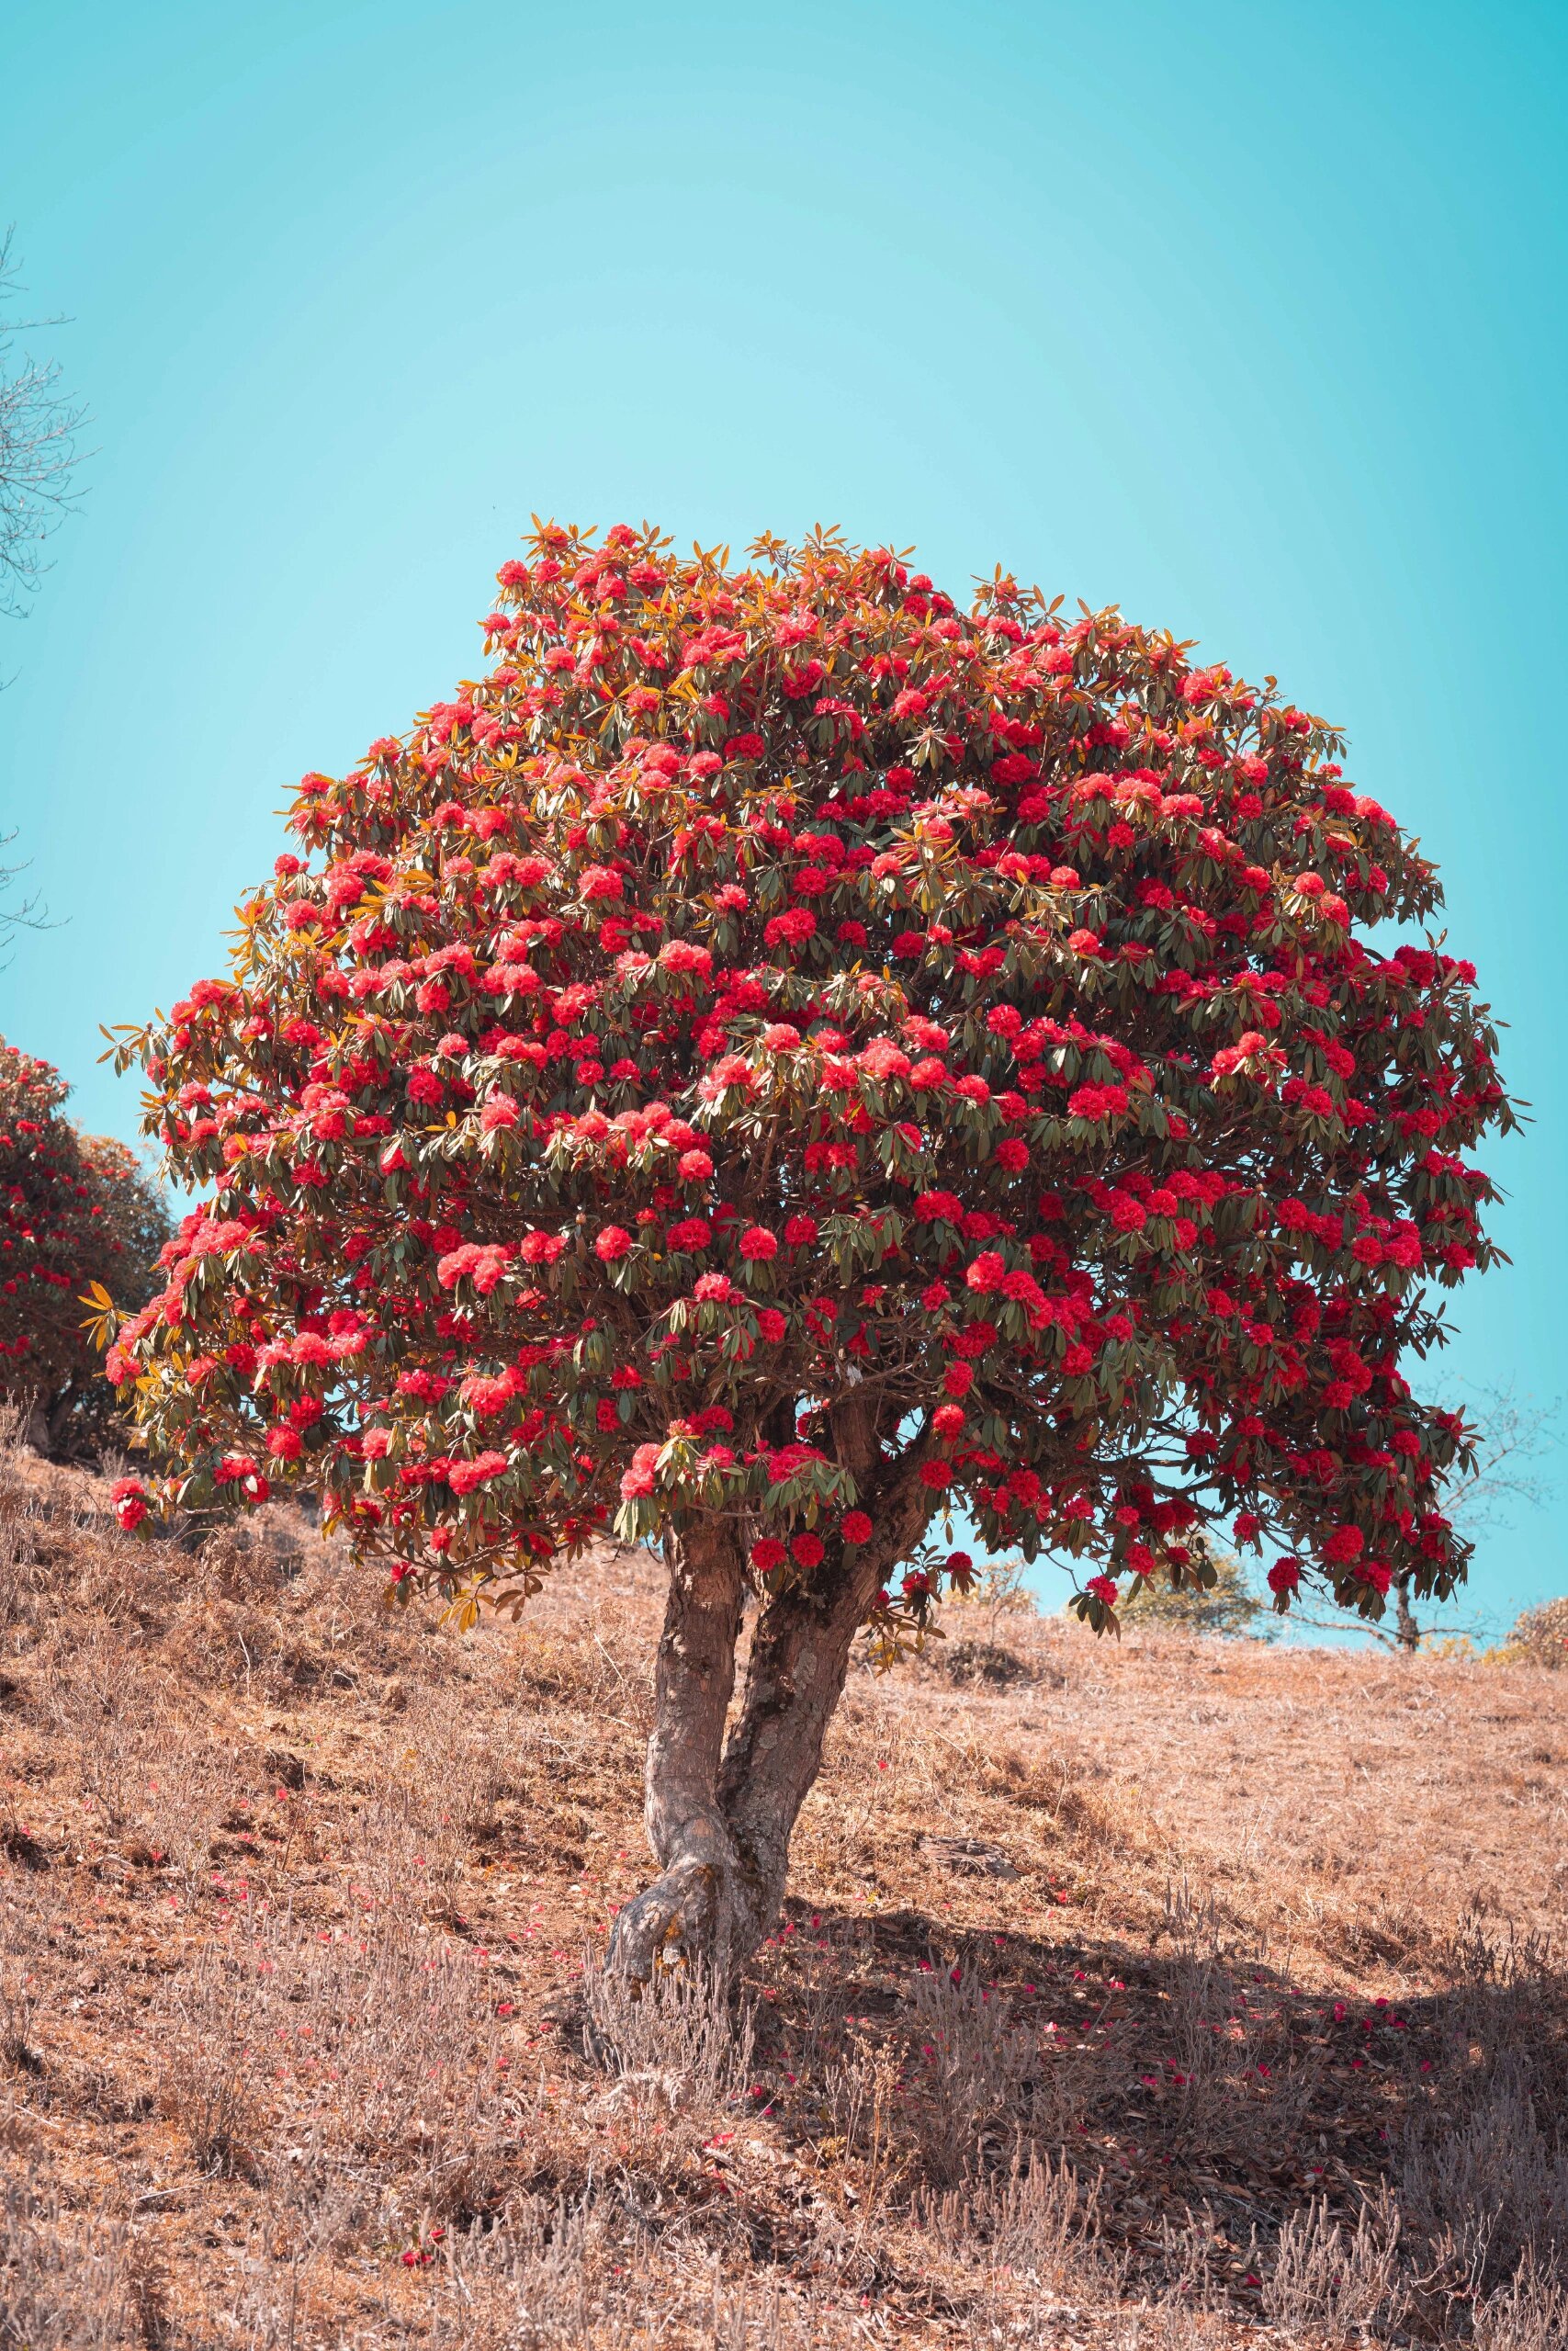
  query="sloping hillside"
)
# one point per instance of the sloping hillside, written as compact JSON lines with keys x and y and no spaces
{"x":1168,"y":1993}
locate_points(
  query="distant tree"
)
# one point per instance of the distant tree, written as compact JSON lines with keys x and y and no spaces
{"x":38,"y":424}
{"x":780,"y":1061}
{"x":1215,"y":1594}
{"x":989,"y":1589}
{"x":77,"y":1214}
{"x":1509,"y":1438}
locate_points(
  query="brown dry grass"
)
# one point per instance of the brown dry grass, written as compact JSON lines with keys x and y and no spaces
{"x":1177,"y":1994}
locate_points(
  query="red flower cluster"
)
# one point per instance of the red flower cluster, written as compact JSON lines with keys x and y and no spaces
{"x":77,"y":1214}
{"x":982,"y":998}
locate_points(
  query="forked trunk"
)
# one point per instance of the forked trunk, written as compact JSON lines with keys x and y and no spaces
{"x":720,"y":1817}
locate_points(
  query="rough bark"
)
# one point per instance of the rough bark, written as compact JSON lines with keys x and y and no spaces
{"x":794,"y":1678}
{"x":689,"y":1912}
{"x":1408,"y":1632}
{"x":799,"y":1657}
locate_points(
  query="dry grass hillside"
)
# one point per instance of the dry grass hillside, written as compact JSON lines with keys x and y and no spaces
{"x":1168,"y":1994}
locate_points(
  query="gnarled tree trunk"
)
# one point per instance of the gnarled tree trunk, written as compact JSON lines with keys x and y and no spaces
{"x":720,"y":1816}
{"x":691,"y":1909}
{"x":794,"y":1678}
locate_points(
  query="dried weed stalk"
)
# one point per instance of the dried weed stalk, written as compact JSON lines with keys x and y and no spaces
{"x":1338,"y":2280}
{"x":66,"y":2284}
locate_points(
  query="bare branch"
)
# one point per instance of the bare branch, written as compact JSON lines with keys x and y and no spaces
{"x":39,"y":425}
{"x":30,"y":914}
{"x":1513,"y":1436}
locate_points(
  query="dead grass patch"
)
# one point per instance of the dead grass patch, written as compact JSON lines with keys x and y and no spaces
{"x":1164,"y":1995}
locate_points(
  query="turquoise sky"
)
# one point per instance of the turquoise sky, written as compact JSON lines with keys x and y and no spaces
{"x":1249,"y":318}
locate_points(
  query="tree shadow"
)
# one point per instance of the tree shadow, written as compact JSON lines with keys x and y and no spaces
{"x":1203,"y":2090}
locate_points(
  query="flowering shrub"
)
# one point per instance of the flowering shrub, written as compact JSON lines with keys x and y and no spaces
{"x":779,"y":1060}
{"x":76,"y":1210}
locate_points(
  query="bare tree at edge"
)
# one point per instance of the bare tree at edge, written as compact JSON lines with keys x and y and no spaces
{"x":38,"y":424}
{"x":1513,"y":1437}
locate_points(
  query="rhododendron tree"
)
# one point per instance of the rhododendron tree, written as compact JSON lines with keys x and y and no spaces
{"x":780,"y":1062}
{"x":76,"y":1214}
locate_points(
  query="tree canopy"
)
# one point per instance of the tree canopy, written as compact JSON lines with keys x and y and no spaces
{"x":780,"y":1049}
{"x":76,"y":1211}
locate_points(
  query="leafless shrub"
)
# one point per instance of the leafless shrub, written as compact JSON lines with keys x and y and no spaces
{"x":676,"y":2038}
{"x":24,"y":1956}
{"x":22,"y":1575}
{"x":598,"y":1671}
{"x":537,"y":2280}
{"x":104,"y":1711}
{"x":1046,"y":2213}
{"x":1489,"y":2184}
{"x":1223,"y":2022}
{"x":465,"y":1770}
{"x":185,"y":1785}
{"x":1498,"y":1978}
{"x":64,"y":2284}
{"x":408,"y":1852}
{"x":269,"y":2310}
{"x":211,"y":2060}
{"x":1186,"y":2264}
{"x":564,"y":2276}
{"x":396,"y":2103}
{"x":257,"y":1557}
{"x":158,"y":1783}
{"x":1167,"y":2326}
{"x":820,"y":1971}
{"x":1483,"y":2168}
{"x":1144,"y":2326}
{"x":858,"y":2116}
{"x":970,"y":2062}
{"x":1378,"y":1933}
{"x":1338,"y":2280}
{"x":63,"y":1563}
{"x":1038,"y":2220}
{"x":17,"y":2050}
{"x":1529,"y":2314}
{"x":451,"y":1784}
{"x":419,"y":2107}
{"x":275,"y":2304}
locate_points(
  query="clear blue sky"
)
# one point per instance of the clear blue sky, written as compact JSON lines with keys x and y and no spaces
{"x":1251,"y":319}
